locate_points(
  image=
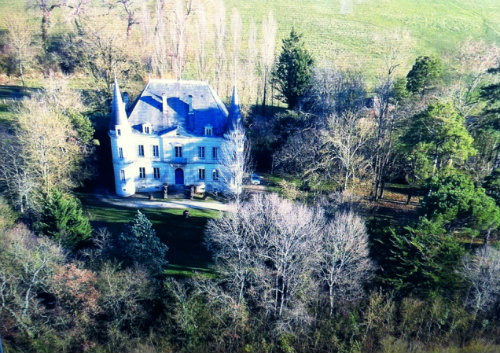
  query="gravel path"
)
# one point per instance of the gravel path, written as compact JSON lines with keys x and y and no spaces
{"x":136,"y":203}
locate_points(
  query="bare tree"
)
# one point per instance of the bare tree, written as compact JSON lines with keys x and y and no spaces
{"x":105,"y":48}
{"x":219,"y":45}
{"x":344,"y":140}
{"x":266,"y":248}
{"x":46,"y":7}
{"x":343,"y":258}
{"x":482,"y":270}
{"x":159,"y":58}
{"x":249,"y":83}
{"x":181,"y":12}
{"x":20,"y":38}
{"x":202,"y":35}
{"x":235,"y":161}
{"x":473,"y":60}
{"x":236,"y":28}
{"x":32,"y":261}
{"x":232,"y":246}
{"x":269,"y":29}
{"x":46,"y":149}
{"x":130,"y":14}
{"x":19,"y":182}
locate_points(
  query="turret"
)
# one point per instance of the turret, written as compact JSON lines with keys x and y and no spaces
{"x":118,"y":123}
{"x":234,"y":111}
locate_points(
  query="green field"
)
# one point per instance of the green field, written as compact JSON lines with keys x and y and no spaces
{"x":357,"y":37}
{"x":184,"y":237}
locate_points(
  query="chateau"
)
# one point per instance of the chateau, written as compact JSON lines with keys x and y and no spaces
{"x":172,"y":136}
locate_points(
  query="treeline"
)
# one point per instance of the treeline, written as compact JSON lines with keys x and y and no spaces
{"x":290,"y":278}
{"x":139,"y":39}
{"x":304,"y":273}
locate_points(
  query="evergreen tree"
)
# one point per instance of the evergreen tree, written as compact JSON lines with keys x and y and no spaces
{"x":457,"y":204}
{"x":423,"y":75}
{"x":436,"y":138}
{"x":292,"y":73}
{"x":489,"y":121}
{"x":420,"y":259}
{"x":62,"y":218}
{"x":140,"y":244}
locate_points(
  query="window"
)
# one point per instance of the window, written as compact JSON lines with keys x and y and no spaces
{"x":142,"y":172}
{"x":156,"y":151}
{"x":146,"y":128}
{"x":201,"y":152}
{"x":215,"y":175}
{"x":120,"y":152}
{"x":178,"y":151}
{"x":156,"y":173}
{"x":141,"y":150}
{"x":201,"y":174}
{"x":122,"y":175}
{"x":118,"y":132}
{"x":208,"y":130}
{"x":214,"y":152}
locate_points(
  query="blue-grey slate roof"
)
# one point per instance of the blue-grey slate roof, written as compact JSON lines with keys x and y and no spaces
{"x":207,"y":106}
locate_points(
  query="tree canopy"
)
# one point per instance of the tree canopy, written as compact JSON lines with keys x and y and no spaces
{"x":424,"y":74}
{"x":292,"y":74}
{"x":62,"y":218}
{"x":140,"y":244}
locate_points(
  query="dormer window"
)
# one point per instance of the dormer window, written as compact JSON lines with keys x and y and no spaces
{"x":146,"y":128}
{"x":208,"y":130}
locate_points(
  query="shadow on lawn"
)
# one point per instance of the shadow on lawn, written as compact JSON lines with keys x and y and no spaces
{"x":184,"y":237}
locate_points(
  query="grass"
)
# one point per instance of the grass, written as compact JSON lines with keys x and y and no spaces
{"x":184,"y":237}
{"x":356,"y":38}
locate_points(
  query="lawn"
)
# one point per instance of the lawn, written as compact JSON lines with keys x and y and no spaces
{"x":184,"y":237}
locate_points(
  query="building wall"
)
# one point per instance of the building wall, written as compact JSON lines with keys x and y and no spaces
{"x":190,"y":162}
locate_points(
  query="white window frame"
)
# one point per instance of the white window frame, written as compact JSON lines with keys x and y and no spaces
{"x":141,"y":151}
{"x":215,"y":175}
{"x":215,"y":153}
{"x":120,"y":152}
{"x":156,"y":151}
{"x":201,"y":152}
{"x":122,"y":175}
{"x":156,"y":172}
{"x":201,"y":174}
{"x":178,"y":151}
{"x":142,"y":173}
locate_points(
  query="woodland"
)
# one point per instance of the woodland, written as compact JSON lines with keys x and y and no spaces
{"x":376,"y":227}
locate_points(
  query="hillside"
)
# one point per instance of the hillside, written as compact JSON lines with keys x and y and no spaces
{"x":357,"y":37}
{"x":356,"y":33}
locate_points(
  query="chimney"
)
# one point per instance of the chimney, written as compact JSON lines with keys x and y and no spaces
{"x":126,"y":100}
{"x":190,"y":102}
{"x":164,"y":103}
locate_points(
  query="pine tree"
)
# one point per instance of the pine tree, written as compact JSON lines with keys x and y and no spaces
{"x":140,"y":244}
{"x":423,"y":75}
{"x":62,"y":219}
{"x":292,"y":75}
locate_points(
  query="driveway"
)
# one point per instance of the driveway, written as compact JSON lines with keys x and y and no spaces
{"x":137,"y":203}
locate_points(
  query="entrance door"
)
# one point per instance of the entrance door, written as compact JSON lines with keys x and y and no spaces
{"x":179,"y":176}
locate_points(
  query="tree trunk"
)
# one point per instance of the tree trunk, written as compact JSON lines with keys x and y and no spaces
{"x":45,"y":28}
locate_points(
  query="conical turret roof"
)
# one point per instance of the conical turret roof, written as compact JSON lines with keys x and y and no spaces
{"x":234,"y":110}
{"x":118,"y":113}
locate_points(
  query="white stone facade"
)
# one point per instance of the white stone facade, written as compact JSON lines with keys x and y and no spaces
{"x":147,"y":156}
